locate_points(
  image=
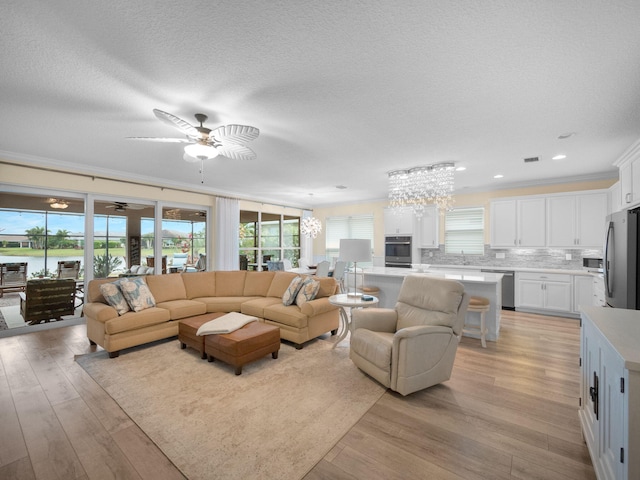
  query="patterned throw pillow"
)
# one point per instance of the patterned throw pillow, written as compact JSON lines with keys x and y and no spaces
{"x":307,"y":292}
{"x":113,"y":295}
{"x":292,"y":290}
{"x":137,"y":293}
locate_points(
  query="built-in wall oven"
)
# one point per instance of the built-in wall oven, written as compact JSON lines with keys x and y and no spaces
{"x":397,"y":251}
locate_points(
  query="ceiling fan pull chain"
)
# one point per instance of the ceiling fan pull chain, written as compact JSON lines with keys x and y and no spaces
{"x":201,"y":171}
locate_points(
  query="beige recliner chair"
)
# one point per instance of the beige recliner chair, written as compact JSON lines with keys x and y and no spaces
{"x":413,"y":346}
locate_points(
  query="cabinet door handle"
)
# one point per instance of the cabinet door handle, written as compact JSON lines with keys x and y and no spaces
{"x":627,"y":198}
{"x":593,"y":393}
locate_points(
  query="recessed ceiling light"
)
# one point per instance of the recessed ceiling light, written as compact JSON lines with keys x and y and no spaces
{"x":498,"y":176}
{"x":461,"y":169}
{"x":559,"y":157}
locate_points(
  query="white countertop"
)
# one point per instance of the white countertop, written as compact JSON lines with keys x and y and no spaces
{"x":471,"y":276}
{"x":621,"y":327}
{"x":514,"y":269}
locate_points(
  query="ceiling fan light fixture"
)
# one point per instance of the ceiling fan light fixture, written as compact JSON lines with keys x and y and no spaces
{"x":200,"y":151}
{"x":59,"y":204}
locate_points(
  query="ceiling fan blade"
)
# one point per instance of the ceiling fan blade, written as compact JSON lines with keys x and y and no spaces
{"x":176,"y":122}
{"x":235,"y":134}
{"x":164,"y":140}
{"x":190,"y":159}
{"x":237,"y":152}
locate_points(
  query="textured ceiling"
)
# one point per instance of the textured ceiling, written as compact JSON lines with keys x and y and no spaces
{"x":342,"y":92}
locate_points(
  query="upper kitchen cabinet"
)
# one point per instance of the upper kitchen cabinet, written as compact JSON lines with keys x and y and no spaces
{"x":429,"y":231}
{"x":576,"y":221}
{"x":399,"y":221}
{"x":518,"y":223}
{"x":629,"y":170}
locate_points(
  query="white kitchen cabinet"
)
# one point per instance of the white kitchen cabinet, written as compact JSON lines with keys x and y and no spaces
{"x":599,"y":297}
{"x":518,"y":223}
{"x":576,"y":221}
{"x":429,"y":228}
{"x":543,"y":292}
{"x":615,"y":198}
{"x":629,"y":173}
{"x":609,"y":389}
{"x":582,"y":292}
{"x":399,"y":221}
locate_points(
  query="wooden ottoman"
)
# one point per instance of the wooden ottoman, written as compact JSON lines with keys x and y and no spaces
{"x":249,"y":343}
{"x":188,"y":327}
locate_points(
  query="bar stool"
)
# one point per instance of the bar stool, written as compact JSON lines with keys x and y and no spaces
{"x":479,"y":305}
{"x":371,"y":290}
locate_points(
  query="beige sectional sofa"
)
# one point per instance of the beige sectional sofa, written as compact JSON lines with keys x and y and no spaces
{"x":183,"y":295}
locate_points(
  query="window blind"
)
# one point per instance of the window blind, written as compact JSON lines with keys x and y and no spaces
{"x":464,"y":231}
{"x":359,"y":226}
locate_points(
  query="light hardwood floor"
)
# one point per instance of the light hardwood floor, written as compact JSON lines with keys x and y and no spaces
{"x":509,"y":411}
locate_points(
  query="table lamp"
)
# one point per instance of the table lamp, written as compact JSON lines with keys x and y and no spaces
{"x":355,"y":250}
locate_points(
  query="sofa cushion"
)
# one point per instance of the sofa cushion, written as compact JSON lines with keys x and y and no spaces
{"x":166,"y":287}
{"x":230,"y":284}
{"x":224,"y":304}
{"x":183,"y":308}
{"x":113,"y":295}
{"x":199,"y":284}
{"x":290,"y":315}
{"x":256,"y":307}
{"x":134,"y":320}
{"x":308,"y":291}
{"x":280,"y":283}
{"x":257,"y":284}
{"x":289,"y":296}
{"x":137,"y":293}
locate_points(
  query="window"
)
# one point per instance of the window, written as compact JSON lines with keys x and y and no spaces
{"x":267,"y":236}
{"x":360,"y":226}
{"x":109,"y":243}
{"x":41,"y":238}
{"x":464,"y":231}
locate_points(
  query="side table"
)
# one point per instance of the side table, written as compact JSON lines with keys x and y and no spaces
{"x":345,"y":301}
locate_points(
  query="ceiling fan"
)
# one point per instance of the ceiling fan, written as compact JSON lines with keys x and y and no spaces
{"x":205,"y":143}
{"x":124,"y":206}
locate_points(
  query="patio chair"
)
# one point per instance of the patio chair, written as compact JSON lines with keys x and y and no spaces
{"x":47,"y":299}
{"x":151,"y":263}
{"x":13,"y":277}
{"x":69,"y":269}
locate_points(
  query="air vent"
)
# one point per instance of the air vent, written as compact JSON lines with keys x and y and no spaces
{"x":531,"y":159}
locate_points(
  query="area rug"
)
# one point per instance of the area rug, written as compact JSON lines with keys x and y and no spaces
{"x":276,"y":420}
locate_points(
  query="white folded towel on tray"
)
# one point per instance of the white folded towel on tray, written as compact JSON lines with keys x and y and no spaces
{"x":226,"y":324}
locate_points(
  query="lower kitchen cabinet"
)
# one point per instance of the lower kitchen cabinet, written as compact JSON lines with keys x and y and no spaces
{"x":582,"y":292}
{"x":610,"y":391}
{"x":543,"y":291}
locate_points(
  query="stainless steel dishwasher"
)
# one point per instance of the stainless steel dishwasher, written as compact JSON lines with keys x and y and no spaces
{"x":508,"y":288}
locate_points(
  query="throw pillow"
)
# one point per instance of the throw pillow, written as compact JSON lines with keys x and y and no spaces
{"x":113,"y":295}
{"x":137,"y":293}
{"x":292,"y":290}
{"x":307,"y":292}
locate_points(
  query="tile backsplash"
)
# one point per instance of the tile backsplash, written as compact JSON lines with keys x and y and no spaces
{"x":513,"y":257}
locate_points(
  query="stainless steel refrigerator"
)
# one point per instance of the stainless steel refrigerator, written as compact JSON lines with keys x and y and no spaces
{"x":620,"y":263}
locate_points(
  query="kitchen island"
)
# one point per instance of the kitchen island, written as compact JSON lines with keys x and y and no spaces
{"x":482,"y":284}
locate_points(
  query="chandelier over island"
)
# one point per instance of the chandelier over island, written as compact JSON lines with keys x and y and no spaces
{"x":419,"y":186}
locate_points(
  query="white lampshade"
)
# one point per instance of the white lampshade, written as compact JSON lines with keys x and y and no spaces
{"x":200,"y":151}
{"x":355,"y":250}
